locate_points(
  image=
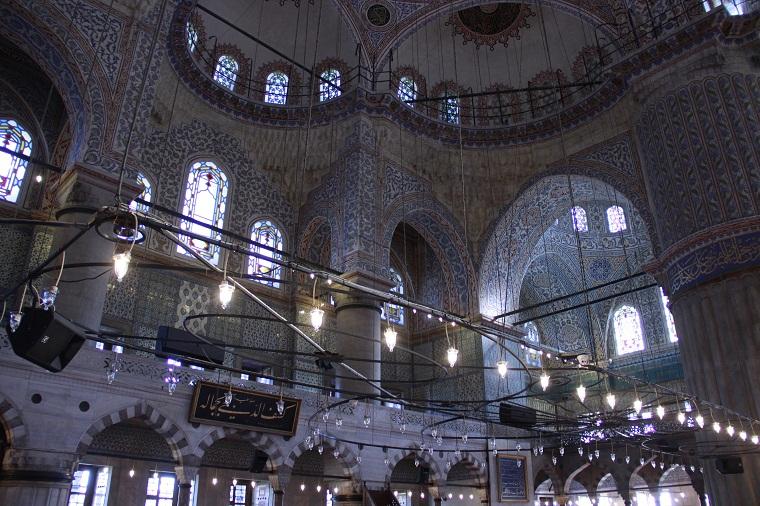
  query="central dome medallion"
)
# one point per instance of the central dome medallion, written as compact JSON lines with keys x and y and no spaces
{"x":491,"y":24}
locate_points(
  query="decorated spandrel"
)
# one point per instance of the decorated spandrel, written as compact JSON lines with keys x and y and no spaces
{"x":247,"y":409}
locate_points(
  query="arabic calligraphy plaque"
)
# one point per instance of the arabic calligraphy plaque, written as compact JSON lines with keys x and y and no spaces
{"x":248,"y":410}
{"x":512,"y":485}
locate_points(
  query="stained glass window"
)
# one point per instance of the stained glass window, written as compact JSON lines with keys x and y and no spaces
{"x":580,"y":223}
{"x":160,"y":489}
{"x":628,"y":335}
{"x":329,"y":85}
{"x":237,"y":495}
{"x":192,"y":37}
{"x":616,"y":219}
{"x":226,"y":71}
{"x":205,"y":201}
{"x":266,"y":233}
{"x":733,"y":7}
{"x":15,"y":138}
{"x":395,"y":313}
{"x":673,"y":337}
{"x":146,"y":195}
{"x":407,"y":90}
{"x":532,"y":358}
{"x":450,"y":110}
{"x":277,"y":88}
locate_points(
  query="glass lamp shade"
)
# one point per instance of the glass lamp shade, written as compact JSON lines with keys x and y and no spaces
{"x":316,"y":316}
{"x":501,"y":368}
{"x":611,"y":400}
{"x":544,"y":379}
{"x":390,"y":338}
{"x":121,"y":264}
{"x":226,"y":289}
{"x":452,"y":354}
{"x":637,"y":405}
{"x":581,"y":391}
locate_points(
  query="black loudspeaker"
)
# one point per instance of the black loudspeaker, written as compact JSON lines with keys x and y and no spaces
{"x":46,"y":339}
{"x":180,"y":342}
{"x":517,"y":416}
{"x":731,"y":465}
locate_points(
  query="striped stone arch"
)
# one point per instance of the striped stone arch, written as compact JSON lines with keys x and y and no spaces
{"x":348,"y":457}
{"x":436,"y":475}
{"x":174,"y":436}
{"x":12,"y":423}
{"x":259,"y":440}
{"x":472,"y":463}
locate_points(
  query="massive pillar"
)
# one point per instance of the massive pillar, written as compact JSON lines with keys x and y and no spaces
{"x":36,"y":477}
{"x":359,"y":316}
{"x":699,"y":136}
{"x":81,"y":192}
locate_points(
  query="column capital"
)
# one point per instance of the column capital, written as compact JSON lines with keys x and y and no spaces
{"x":87,"y":186}
{"x":186,"y":474}
{"x":38,"y":465}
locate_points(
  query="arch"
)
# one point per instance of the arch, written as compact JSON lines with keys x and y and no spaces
{"x":267,"y":231}
{"x":59,"y":59}
{"x":436,"y":476}
{"x":294,"y":87}
{"x":276,"y":88}
{"x":318,"y":241}
{"x":571,"y":478}
{"x":174,"y":436}
{"x":440,"y":229}
{"x":12,"y":423}
{"x":352,"y":468}
{"x":259,"y":440}
{"x":548,"y":473}
{"x":511,"y":238}
{"x":472,"y":464}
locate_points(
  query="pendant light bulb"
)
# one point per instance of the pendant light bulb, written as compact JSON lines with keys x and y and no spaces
{"x":501,"y":368}
{"x":226,"y":289}
{"x":716,"y":427}
{"x":743,"y":435}
{"x":611,"y":400}
{"x":390,"y":338}
{"x":214,"y":481}
{"x":755,"y":439}
{"x":132,"y":473}
{"x":121,"y":264}
{"x":544,"y":381}
{"x":730,"y":430}
{"x":317,"y":316}
{"x":681,"y":417}
{"x":660,"y":411}
{"x":451,"y":355}
{"x":700,"y":421}
{"x":581,"y":391}
{"x":637,"y":405}
{"x":234,"y":482}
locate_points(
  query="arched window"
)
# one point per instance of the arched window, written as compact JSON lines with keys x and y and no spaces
{"x":146,"y":195}
{"x":628,"y":334}
{"x":532,"y":357}
{"x":277,"y":88}
{"x":580,"y":223}
{"x":733,"y":7}
{"x":672,"y":336}
{"x":260,"y":263}
{"x":395,"y":313}
{"x":450,"y":110}
{"x":15,"y":138}
{"x":192,"y":37}
{"x":226,"y":71}
{"x":329,"y":85}
{"x":205,"y":201}
{"x":616,"y":219}
{"x":407,"y":90}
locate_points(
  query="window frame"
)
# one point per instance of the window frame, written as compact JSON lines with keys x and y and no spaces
{"x":218,"y":253}
{"x":222,"y":74}
{"x":619,"y":338}
{"x":332,"y":90}
{"x":276,"y":225}
{"x":401,"y":320}
{"x":621,"y":219}
{"x":89,"y":495}
{"x":447,"y":102}
{"x":579,"y":219}
{"x":17,"y":163}
{"x":157,"y":497}
{"x":532,"y":358}
{"x":402,"y":91}
{"x":276,"y":95}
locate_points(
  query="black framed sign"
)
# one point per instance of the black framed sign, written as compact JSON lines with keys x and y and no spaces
{"x":512,"y":482}
{"x":248,"y":409}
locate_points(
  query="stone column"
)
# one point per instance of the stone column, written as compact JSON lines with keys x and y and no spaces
{"x":279,"y":498}
{"x":698,"y":137}
{"x":185,"y":476}
{"x":36,"y":477}
{"x":80,"y":193}
{"x":360,"y":316}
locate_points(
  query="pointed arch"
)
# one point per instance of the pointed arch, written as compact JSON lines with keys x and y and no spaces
{"x":259,"y":440}
{"x":472,"y":464}
{"x":12,"y":423}
{"x":348,"y":457}
{"x":436,"y":475}
{"x":174,"y":436}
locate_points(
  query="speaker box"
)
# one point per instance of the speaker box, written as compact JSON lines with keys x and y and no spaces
{"x":520,"y":417}
{"x":731,"y":465}
{"x":46,"y":339}
{"x":180,"y":342}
